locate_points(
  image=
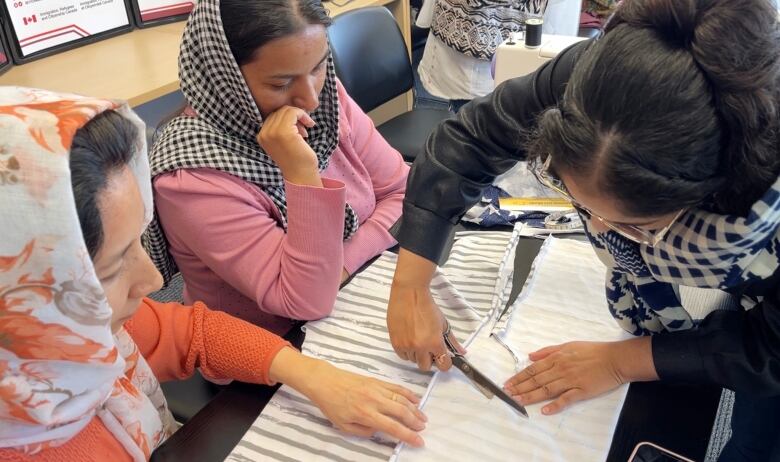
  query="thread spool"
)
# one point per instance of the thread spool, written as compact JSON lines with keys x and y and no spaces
{"x":533,"y":32}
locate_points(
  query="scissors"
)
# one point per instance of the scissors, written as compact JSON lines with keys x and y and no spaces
{"x":480,"y":381}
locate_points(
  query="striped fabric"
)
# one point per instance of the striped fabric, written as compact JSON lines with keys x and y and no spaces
{"x":563,"y":301}
{"x":355,"y":338}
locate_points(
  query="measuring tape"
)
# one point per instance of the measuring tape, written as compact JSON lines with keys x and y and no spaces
{"x":568,"y":219}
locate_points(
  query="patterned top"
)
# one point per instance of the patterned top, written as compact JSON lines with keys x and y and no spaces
{"x":477,"y":27}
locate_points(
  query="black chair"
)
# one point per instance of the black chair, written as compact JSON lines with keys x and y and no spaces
{"x":373,"y":64}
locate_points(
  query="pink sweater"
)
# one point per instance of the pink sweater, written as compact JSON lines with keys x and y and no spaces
{"x":225,"y":236}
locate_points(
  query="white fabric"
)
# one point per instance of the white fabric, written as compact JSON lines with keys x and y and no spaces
{"x":563,"y":301}
{"x":562,"y":17}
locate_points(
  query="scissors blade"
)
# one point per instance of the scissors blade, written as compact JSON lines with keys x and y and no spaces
{"x":485,"y":385}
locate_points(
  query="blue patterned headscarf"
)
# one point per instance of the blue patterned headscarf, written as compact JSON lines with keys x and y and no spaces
{"x":702,"y":249}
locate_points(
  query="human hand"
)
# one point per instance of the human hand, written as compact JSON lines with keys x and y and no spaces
{"x":363,"y":406}
{"x":416,"y":326}
{"x":283,"y":137}
{"x":577,"y":371}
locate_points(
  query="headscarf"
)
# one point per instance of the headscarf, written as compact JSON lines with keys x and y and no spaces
{"x":702,"y":249}
{"x":223,"y":134}
{"x":60,"y":365}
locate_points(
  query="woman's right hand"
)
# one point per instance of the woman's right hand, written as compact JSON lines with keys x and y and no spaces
{"x":355,"y":404}
{"x":283,"y":137}
{"x":416,"y":325}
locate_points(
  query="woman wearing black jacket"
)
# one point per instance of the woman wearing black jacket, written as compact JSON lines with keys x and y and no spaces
{"x":664,"y":135}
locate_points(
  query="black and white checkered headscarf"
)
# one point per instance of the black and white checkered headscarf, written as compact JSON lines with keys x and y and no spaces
{"x":223,"y":135}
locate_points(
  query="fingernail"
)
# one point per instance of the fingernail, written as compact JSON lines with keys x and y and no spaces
{"x":545,"y":410}
{"x":419,"y":442}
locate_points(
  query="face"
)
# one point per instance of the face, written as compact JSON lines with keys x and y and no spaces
{"x":126,"y":272}
{"x":587,"y":193}
{"x":289,"y":71}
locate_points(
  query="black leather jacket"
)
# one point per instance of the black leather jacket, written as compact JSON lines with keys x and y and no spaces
{"x":737,"y":350}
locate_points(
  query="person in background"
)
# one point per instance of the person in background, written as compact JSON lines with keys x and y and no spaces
{"x":464,"y":36}
{"x":663,"y":133}
{"x":599,"y":10}
{"x":274,"y":186}
{"x":81,"y":349}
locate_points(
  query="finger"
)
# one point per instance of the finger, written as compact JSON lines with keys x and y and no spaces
{"x":528,"y":372}
{"x":538,"y":355}
{"x":305,"y":119}
{"x":358,"y":430}
{"x":545,"y":392}
{"x":534,"y":382}
{"x":402,"y":410}
{"x":397,"y":430}
{"x":398,"y":350}
{"x":443,"y":361}
{"x":565,"y":400}
{"x":424,"y":359}
{"x":458,"y":347}
{"x":405,"y":392}
{"x":302,"y":130}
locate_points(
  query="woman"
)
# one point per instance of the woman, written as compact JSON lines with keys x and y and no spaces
{"x":664,"y":134}
{"x":81,"y":350}
{"x":456,"y":66}
{"x":275,"y":186}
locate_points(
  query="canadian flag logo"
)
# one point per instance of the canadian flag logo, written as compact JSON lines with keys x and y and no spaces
{"x":29,"y":20}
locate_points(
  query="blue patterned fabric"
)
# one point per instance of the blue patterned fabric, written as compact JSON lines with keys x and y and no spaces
{"x":702,"y":249}
{"x":488,"y":213}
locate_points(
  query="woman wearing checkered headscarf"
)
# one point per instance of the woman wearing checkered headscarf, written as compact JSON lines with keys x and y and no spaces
{"x":275,"y":186}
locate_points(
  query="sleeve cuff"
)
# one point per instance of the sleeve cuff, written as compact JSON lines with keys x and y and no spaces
{"x":677,"y":357}
{"x":265,"y":367}
{"x":423,"y":233}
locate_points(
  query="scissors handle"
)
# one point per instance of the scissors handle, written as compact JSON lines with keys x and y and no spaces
{"x":447,"y":340}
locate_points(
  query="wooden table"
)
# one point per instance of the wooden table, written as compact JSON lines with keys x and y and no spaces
{"x":141,"y":66}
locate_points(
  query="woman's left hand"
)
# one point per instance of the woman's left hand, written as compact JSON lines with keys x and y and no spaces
{"x":577,"y":371}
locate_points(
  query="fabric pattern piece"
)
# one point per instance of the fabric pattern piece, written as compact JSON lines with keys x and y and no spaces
{"x":60,"y":365}
{"x":223,"y":134}
{"x":477,"y":27}
{"x":355,"y":338}
{"x":562,"y":301}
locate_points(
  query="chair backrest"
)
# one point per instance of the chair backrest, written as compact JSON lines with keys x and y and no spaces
{"x":370,"y":56}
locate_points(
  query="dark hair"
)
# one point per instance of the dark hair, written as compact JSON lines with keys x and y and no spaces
{"x":101,"y":147}
{"x":675,"y":106}
{"x":249,"y":25}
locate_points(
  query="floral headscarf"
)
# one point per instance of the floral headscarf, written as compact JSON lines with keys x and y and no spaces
{"x":60,"y":365}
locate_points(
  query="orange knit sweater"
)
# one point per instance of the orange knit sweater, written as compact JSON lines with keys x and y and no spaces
{"x":175,"y":339}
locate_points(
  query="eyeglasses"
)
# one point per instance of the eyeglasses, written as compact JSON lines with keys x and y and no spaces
{"x":631,"y":232}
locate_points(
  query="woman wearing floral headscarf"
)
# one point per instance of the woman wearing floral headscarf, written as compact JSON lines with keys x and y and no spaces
{"x":275,"y":186}
{"x":81,"y":349}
